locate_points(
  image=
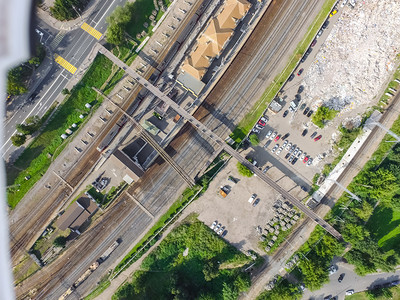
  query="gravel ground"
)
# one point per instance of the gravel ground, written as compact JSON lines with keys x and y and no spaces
{"x":356,"y":59}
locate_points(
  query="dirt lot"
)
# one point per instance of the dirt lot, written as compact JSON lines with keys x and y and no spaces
{"x":235,"y":212}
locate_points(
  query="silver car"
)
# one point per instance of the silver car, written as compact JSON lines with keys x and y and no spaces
{"x":221,"y":230}
{"x":273,"y":135}
{"x":309,"y":162}
{"x":288,"y":146}
{"x":275,"y":148}
{"x":268,"y":134}
{"x":292,"y":149}
{"x":279,"y":151}
{"x":295,"y":151}
{"x":299,"y":153}
{"x":291,"y":158}
{"x":285,"y":143}
{"x":303,"y":156}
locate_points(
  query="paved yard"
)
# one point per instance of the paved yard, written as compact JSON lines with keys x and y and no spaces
{"x":234,"y":212}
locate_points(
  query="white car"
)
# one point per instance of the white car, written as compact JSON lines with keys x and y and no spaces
{"x":221,"y":230}
{"x":285,"y":143}
{"x":279,"y":151}
{"x":275,"y":148}
{"x":213,"y":224}
{"x":299,"y":153}
{"x":288,"y":146}
{"x":252,"y":198}
{"x":268,"y":134}
{"x":264,"y":119}
{"x":332,"y":270}
{"x":273,"y":135}
{"x":255,"y":130}
{"x":218,"y":227}
{"x":295,"y":151}
{"x":303,"y":156}
{"x":349,"y":292}
{"x":258,"y":126}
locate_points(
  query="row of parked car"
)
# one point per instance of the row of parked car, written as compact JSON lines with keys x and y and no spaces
{"x":218,"y":228}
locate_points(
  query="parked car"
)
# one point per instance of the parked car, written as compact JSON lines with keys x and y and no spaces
{"x":306,"y":111}
{"x":284,"y":144}
{"x":256,"y":202}
{"x":310,"y":160}
{"x":305,"y":131}
{"x":291,"y":158}
{"x":297,"y":97}
{"x":275,"y":148}
{"x":291,"y":109}
{"x":299,"y":153}
{"x":268,"y":134}
{"x":224,"y":233}
{"x":255,"y":130}
{"x":285,"y":136}
{"x":303,"y":156}
{"x":326,"y":23}
{"x":285,"y":113}
{"x":233,"y":179}
{"x":329,"y":297}
{"x":309,"y":50}
{"x":292,"y":149}
{"x":318,"y":138}
{"x":252,"y":198}
{"x":217,"y":227}
{"x":294,"y":160}
{"x":300,"y":89}
{"x":279,"y":151}
{"x":291,"y":77}
{"x":334,"y":12}
{"x":259,"y":127}
{"x":277,"y":138}
{"x":287,"y":155}
{"x":213,"y":224}
{"x":273,"y":135}
{"x":303,"y":59}
{"x":264,"y":119}
{"x":313,"y":135}
{"x":332,"y":270}
{"x":266,"y":169}
{"x":310,"y":113}
{"x":221,"y":230}
{"x":319,"y":33}
{"x":288,"y":146}
{"x":349,"y":292}
{"x":303,"y":106}
{"x":306,"y":159}
{"x":314,"y":42}
{"x":340,"y":279}
{"x":300,"y":72}
{"x":295,"y":151}
{"x":261,"y":122}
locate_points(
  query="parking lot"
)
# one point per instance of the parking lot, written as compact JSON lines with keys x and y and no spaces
{"x":239,"y":217}
{"x":290,"y":140}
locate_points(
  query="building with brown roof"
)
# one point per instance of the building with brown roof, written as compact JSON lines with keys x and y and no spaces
{"x":131,"y":170}
{"x":215,"y":37}
{"x":77,"y":214}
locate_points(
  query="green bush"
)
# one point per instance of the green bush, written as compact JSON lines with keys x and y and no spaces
{"x":60,"y":241}
{"x":67,"y":9}
{"x":244,"y":171}
{"x":254,"y":140}
{"x":18,"y":140}
{"x":322,"y":115}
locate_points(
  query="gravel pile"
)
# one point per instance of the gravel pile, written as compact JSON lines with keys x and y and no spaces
{"x":357,"y":58}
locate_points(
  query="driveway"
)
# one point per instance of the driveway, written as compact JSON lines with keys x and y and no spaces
{"x":351,"y":281}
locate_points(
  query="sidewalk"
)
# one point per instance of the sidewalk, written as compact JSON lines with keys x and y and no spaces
{"x":43,"y":13}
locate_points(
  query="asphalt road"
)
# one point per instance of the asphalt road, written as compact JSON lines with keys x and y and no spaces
{"x":74,"y":48}
{"x":351,"y":281}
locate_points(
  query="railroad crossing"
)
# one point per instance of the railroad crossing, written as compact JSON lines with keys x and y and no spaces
{"x":208,"y":133}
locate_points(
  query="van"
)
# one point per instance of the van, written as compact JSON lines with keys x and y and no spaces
{"x":293,"y":104}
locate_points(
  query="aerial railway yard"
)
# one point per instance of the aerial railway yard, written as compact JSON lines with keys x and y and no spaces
{"x":217,"y":109}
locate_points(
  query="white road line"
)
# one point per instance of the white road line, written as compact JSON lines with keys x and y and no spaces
{"x":29,"y":114}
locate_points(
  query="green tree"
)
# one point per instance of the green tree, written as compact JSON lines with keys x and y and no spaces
{"x":210,"y":271}
{"x":18,"y":140}
{"x":244,"y":171}
{"x":34,"y":61}
{"x":67,"y":9}
{"x":65,"y":91}
{"x":315,"y":274}
{"x":229,"y":292}
{"x":254,"y":140}
{"x":60,"y":241}
{"x":354,"y":233}
{"x":322,"y":115}
{"x":115,"y":34}
{"x":284,"y":290}
{"x":15,"y":81}
{"x":23,"y":129}
{"x":364,"y":211}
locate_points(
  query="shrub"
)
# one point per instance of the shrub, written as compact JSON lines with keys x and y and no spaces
{"x":322,"y":115}
{"x":243,"y":170}
{"x":18,"y":140}
{"x":254,"y":140}
{"x":60,"y":241}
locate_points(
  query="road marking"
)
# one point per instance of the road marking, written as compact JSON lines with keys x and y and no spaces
{"x":63,"y":63}
{"x":93,"y":32}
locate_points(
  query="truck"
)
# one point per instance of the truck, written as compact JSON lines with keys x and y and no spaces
{"x":108,"y":252}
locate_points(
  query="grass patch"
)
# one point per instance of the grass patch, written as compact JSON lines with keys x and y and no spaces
{"x":37,"y":157}
{"x":247,"y":122}
{"x":166,"y":271}
{"x":384,"y":224}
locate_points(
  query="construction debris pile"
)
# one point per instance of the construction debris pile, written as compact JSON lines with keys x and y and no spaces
{"x":357,"y":58}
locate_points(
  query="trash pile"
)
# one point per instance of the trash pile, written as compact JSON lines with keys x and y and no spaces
{"x":357,"y":58}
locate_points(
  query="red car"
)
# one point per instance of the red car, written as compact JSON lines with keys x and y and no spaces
{"x":305,"y":159}
{"x":300,"y":71}
{"x":277,"y":138}
{"x":261,"y":122}
{"x":318,"y":138}
{"x":313,"y":43}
